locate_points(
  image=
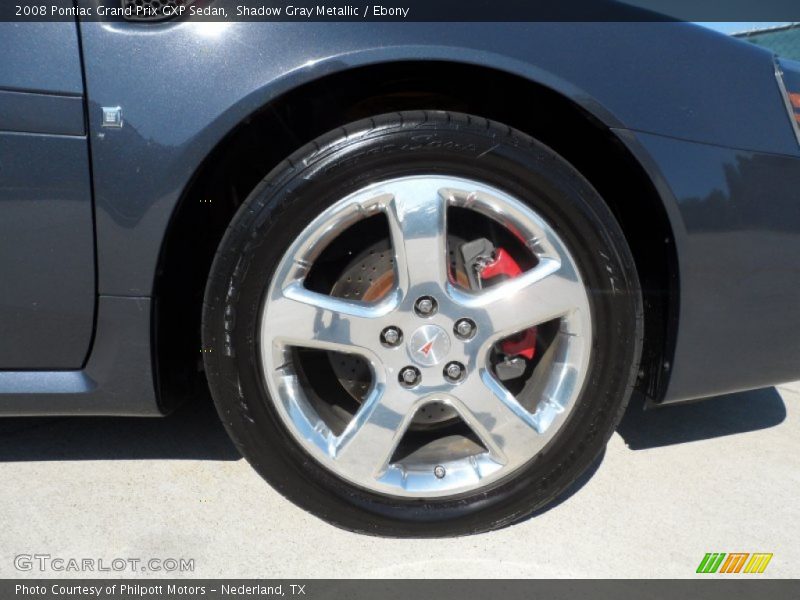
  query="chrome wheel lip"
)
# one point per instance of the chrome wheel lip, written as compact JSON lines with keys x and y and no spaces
{"x":387,"y":407}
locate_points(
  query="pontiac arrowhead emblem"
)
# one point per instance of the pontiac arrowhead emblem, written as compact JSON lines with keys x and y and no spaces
{"x":426,"y":348}
{"x":428,"y":345}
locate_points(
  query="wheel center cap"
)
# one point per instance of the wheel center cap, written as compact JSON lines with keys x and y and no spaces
{"x":428,"y":345}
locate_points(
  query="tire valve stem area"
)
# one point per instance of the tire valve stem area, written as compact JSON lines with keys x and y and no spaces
{"x":488,"y":265}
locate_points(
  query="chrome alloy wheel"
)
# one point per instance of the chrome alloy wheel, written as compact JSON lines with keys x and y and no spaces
{"x":431,"y":363}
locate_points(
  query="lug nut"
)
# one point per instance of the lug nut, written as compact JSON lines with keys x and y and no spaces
{"x":465,"y":328}
{"x":409,"y":376}
{"x":454,"y":371}
{"x":391,"y":336}
{"x":425,"y":306}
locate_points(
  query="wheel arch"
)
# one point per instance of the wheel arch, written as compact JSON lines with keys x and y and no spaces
{"x":254,"y":145}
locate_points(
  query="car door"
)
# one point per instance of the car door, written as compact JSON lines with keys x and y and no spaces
{"x":47,"y":274}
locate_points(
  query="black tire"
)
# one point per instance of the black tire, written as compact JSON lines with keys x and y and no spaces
{"x":393,"y":145}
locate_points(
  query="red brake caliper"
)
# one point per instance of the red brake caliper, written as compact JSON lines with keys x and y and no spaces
{"x":502,"y":264}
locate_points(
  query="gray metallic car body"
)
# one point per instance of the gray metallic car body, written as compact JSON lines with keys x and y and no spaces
{"x":85,"y":210}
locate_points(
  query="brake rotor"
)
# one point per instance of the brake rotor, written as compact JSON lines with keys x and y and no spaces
{"x":369,"y":277}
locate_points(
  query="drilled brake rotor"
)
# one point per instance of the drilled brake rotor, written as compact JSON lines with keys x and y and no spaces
{"x":369,"y":277}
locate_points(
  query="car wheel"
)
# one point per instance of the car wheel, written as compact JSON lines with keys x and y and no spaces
{"x":422,"y":324}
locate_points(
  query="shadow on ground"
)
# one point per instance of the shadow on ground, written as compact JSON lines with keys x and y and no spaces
{"x":664,"y":426}
{"x":195,"y":432}
{"x":192,"y":432}
{"x":573,"y":488}
{"x":710,"y":418}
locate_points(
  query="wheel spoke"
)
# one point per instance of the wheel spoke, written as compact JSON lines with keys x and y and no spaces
{"x":417,"y":221}
{"x":546,"y":292}
{"x":507,"y":429}
{"x":367,"y":444}
{"x":309,"y":319}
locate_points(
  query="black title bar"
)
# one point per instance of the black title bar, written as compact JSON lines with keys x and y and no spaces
{"x":406,"y":10}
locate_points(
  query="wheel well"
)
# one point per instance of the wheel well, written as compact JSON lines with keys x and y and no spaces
{"x":267,"y":136}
